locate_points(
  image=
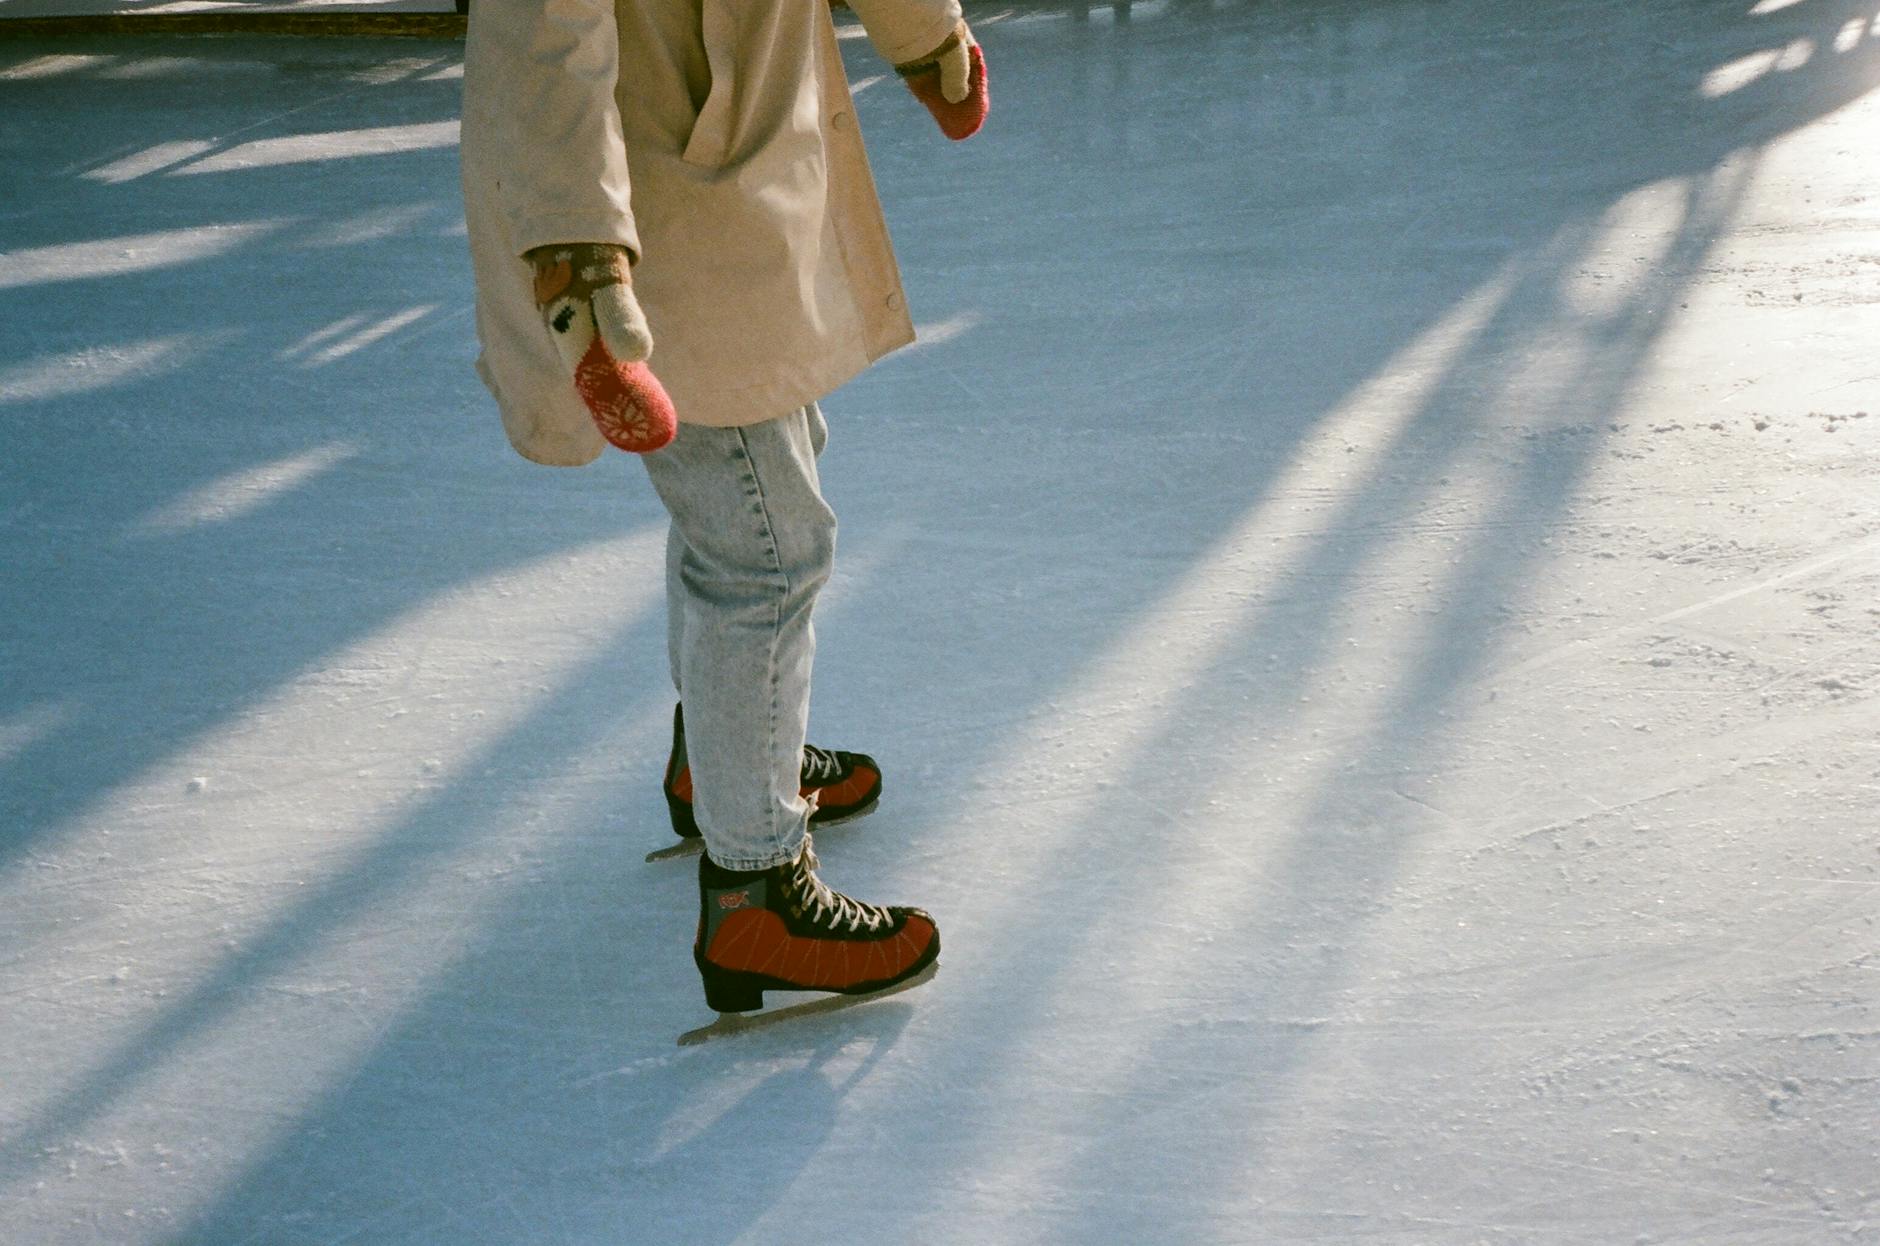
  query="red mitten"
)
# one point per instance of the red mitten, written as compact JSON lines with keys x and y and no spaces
{"x":951,"y":82}
{"x":628,"y":403}
{"x":585,"y":291}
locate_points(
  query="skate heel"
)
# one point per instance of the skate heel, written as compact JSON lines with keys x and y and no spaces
{"x":731,"y":992}
{"x":679,"y":812}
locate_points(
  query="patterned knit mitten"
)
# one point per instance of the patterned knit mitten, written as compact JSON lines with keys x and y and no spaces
{"x":585,"y":291}
{"x":951,"y":82}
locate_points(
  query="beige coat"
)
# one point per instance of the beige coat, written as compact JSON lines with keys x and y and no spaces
{"x":717,"y":140}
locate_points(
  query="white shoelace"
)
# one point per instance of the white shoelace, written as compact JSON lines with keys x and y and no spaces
{"x":819,"y":764}
{"x":832,"y":908}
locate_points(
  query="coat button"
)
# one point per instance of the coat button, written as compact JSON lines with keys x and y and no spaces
{"x":894,"y":302}
{"x":839,"y":121}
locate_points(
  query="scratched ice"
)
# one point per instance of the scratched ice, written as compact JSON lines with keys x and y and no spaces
{"x":1365,"y":595}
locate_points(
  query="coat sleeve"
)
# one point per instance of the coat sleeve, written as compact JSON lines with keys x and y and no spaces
{"x":539,"y":79}
{"x":904,"y":30}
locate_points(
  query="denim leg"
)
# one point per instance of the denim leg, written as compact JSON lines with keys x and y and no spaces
{"x":675,"y":556}
{"x":752,"y":546}
{"x":675,"y":604}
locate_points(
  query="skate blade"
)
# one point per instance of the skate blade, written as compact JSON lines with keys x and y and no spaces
{"x":692,"y":847}
{"x":854,"y":815}
{"x":684,"y":848}
{"x":730,"y":1023}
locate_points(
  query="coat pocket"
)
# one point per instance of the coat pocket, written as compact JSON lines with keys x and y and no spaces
{"x":709,"y":144}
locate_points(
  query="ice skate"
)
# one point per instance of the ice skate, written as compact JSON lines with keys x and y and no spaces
{"x":784,"y":929}
{"x":840,"y":787}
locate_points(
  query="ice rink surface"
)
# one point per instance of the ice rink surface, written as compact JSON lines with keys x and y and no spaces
{"x":1367,"y":596}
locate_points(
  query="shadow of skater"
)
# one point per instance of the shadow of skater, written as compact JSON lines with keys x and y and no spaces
{"x":496,"y":1131}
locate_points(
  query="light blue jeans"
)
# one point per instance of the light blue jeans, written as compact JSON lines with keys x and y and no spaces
{"x":750,"y":546}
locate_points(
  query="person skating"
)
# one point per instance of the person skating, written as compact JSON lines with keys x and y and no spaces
{"x":673,"y":195}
